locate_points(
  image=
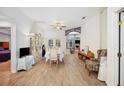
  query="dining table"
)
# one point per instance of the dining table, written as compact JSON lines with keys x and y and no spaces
{"x":60,"y":55}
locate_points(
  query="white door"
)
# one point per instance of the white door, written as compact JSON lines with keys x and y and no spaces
{"x":122,"y":49}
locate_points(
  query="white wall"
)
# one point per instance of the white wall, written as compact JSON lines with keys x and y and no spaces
{"x":4,"y":38}
{"x":90,"y":34}
{"x":53,"y":34}
{"x":48,"y":32}
{"x":109,"y":40}
{"x":21,"y":25}
{"x":94,"y":32}
{"x":103,"y":29}
{"x":92,"y":37}
{"x":22,"y":29}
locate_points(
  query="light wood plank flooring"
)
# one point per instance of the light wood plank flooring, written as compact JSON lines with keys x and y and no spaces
{"x":4,"y":72}
{"x":71,"y":72}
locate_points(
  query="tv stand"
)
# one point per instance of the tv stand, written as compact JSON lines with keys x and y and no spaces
{"x":25,"y":62}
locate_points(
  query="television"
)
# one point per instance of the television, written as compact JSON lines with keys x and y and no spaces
{"x":24,"y":51}
{"x":77,"y":41}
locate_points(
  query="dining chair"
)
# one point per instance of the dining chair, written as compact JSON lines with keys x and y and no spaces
{"x":53,"y":56}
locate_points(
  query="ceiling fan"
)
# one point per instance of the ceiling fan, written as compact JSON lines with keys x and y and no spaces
{"x":58,"y":25}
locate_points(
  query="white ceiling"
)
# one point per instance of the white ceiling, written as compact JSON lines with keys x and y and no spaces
{"x":72,"y":16}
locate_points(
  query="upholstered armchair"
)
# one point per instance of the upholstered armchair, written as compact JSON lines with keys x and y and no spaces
{"x":92,"y":65}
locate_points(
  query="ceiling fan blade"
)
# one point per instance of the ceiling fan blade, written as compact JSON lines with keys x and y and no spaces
{"x":63,"y":26}
{"x":60,"y":28}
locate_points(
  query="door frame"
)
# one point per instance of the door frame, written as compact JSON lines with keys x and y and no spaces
{"x":11,"y":24}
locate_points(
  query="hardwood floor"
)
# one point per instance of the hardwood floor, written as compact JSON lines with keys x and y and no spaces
{"x":71,"y":72}
{"x":4,"y":73}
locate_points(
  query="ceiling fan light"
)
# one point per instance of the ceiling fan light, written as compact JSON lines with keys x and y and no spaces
{"x":58,"y":27}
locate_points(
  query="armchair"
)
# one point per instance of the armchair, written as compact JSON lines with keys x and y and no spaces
{"x":92,"y":65}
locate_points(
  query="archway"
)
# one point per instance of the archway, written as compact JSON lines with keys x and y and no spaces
{"x":73,"y":39}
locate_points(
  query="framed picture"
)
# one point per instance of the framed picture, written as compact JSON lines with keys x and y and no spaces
{"x":50,"y":43}
{"x":58,"y":43}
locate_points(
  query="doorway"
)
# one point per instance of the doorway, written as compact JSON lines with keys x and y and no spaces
{"x":10,"y":25}
{"x":73,"y":41}
{"x":5,"y":53}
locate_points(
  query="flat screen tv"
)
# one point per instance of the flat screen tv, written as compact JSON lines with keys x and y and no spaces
{"x":24,"y":51}
{"x":77,"y":41}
